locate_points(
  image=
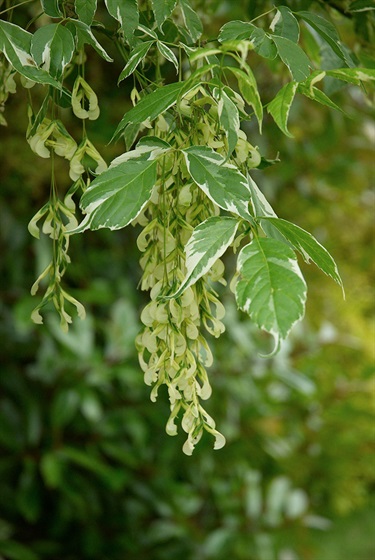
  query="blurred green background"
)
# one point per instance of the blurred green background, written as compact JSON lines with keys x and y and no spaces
{"x":87,"y":471}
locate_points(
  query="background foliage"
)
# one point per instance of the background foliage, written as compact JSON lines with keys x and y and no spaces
{"x":86,"y":470}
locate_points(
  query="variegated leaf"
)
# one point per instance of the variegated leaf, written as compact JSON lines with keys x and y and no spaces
{"x":52,"y":47}
{"x":228,"y":118}
{"x":192,"y":21}
{"x":307,"y":245}
{"x":51,"y":8}
{"x":162,"y":10}
{"x":150,"y":147}
{"x":118,"y":195}
{"x":293,"y":57}
{"x":84,"y":36}
{"x":136,"y":56}
{"x":280,"y":106}
{"x":208,"y":242}
{"x":271,"y":288}
{"x":261,"y":40}
{"x":85,"y":10}
{"x":168,"y":54}
{"x":249,"y":91}
{"x":317,"y":95}
{"x":151,"y":106}
{"x":327,"y":31}
{"x":126,"y":13}
{"x":15,"y":43}
{"x":285,"y":24}
{"x":220,"y":181}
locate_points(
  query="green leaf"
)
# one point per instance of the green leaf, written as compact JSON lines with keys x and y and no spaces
{"x":262,"y":43}
{"x":249,"y":91}
{"x":192,"y":21}
{"x":130,"y":134}
{"x":308,"y":246}
{"x":327,"y":31}
{"x":13,"y":550}
{"x":15,"y":43}
{"x":151,"y":106}
{"x":228,"y":118}
{"x":361,"y":6}
{"x":220,"y":181}
{"x":271,"y":288}
{"x":52,"y":47}
{"x":168,"y":54}
{"x":51,"y":8}
{"x":235,"y":30}
{"x":85,"y":10}
{"x":162,"y":10}
{"x":51,"y":468}
{"x":126,"y":13}
{"x":280,"y":106}
{"x":317,"y":95}
{"x":85,"y":36}
{"x":242,"y":30}
{"x":285,"y":24}
{"x":208,"y":242}
{"x":136,"y":56}
{"x":293,"y":57}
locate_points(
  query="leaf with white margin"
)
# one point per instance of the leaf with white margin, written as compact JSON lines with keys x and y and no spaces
{"x":220,"y":181}
{"x":327,"y":31}
{"x":237,"y":30}
{"x":145,"y":146}
{"x":118,"y":195}
{"x":85,"y":10}
{"x":84,"y":36}
{"x":192,"y":21}
{"x":352,"y":75}
{"x":136,"y":56}
{"x":271,"y":288}
{"x":15,"y":43}
{"x":151,"y":106}
{"x":249,"y":91}
{"x":279,"y":107}
{"x":162,"y":10}
{"x":293,"y":57}
{"x":308,"y":246}
{"x":168,"y":54}
{"x":52,"y":47}
{"x":51,"y":8}
{"x":228,"y":118}
{"x":126,"y":13}
{"x":262,"y":208}
{"x":317,"y":95}
{"x":208,"y":242}
{"x":285,"y":24}
{"x":361,"y":6}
